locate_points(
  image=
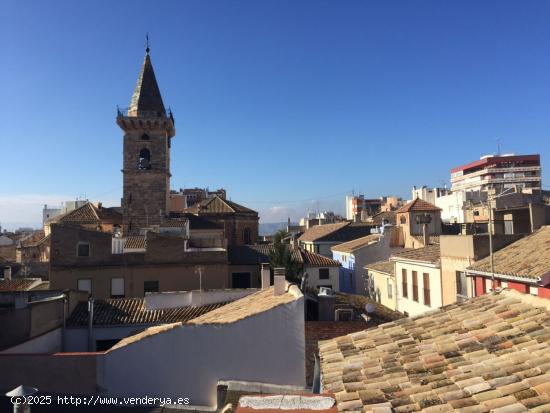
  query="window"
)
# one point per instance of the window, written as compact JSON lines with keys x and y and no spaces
{"x":83,"y":249}
{"x":426,"y":282}
{"x":144,"y":161}
{"x":390,"y":288}
{"x":247,"y":236}
{"x":150,"y":287}
{"x":461,"y":286}
{"x":144,"y":137}
{"x":84,"y":284}
{"x":415,"y":285}
{"x":117,"y":287}
{"x":240,"y":280}
{"x":403,"y":219}
{"x":404,"y":281}
{"x":323,"y":274}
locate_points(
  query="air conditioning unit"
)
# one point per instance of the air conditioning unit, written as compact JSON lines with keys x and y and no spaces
{"x":343,"y":314}
{"x":325,"y":291}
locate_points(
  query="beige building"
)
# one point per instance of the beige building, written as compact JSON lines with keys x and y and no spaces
{"x":413,"y":218}
{"x":418,"y":278}
{"x":382,"y":284}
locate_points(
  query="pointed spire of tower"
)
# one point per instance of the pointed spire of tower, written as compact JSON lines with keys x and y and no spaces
{"x":146,"y":100}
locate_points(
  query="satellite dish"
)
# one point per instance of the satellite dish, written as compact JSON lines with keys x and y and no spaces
{"x":370,"y":308}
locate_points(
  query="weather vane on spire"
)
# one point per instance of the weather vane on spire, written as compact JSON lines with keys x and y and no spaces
{"x":147,"y":43}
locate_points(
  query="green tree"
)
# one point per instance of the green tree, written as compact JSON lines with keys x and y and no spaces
{"x":281,"y":256}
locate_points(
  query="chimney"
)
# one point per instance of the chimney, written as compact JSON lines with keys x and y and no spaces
{"x":99,"y":205}
{"x":426,"y":235}
{"x":266,"y":276}
{"x":7,"y":273}
{"x":280,"y":284}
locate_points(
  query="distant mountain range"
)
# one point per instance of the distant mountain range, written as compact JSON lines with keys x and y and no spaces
{"x":270,"y":228}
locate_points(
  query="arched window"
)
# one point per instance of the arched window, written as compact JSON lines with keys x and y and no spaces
{"x":247,"y":236}
{"x":144,"y":137}
{"x":144,"y":161}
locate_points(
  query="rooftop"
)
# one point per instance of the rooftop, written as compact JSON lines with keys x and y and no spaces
{"x":258,"y":254}
{"x":118,"y":311}
{"x":218,"y":205}
{"x":250,"y":305}
{"x":339,"y":232}
{"x":253,"y":304}
{"x":146,"y":97}
{"x":430,"y":254}
{"x":22,"y":284}
{"x":487,"y":354}
{"x":89,"y":214}
{"x":356,"y":244}
{"x":418,"y":205}
{"x":529,"y":257}
{"x":387,"y":267}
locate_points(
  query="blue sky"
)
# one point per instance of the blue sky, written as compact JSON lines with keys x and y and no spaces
{"x":289,"y":105}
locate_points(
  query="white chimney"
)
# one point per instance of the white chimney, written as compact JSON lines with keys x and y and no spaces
{"x":266,"y":276}
{"x":280,"y":283}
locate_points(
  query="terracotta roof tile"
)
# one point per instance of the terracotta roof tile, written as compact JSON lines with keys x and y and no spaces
{"x":431,"y":254}
{"x":387,"y":267}
{"x":339,"y":232}
{"x":19,"y":284}
{"x":452,"y":358}
{"x":529,"y":257}
{"x":418,"y":205}
{"x":119,"y":311}
{"x":356,"y":244}
{"x":259,"y":253}
{"x":136,"y":242}
{"x":250,"y":305}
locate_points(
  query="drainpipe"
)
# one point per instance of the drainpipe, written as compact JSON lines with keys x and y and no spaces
{"x":316,"y":376}
{"x":90,"y":324}
{"x":63,"y":331}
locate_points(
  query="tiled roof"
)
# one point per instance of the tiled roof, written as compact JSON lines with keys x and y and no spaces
{"x":217,"y":205}
{"x":491,"y":353}
{"x":356,"y":244}
{"x":388,"y":217}
{"x":34,"y":239}
{"x":359,"y":303}
{"x":146,"y":97}
{"x":250,"y":305}
{"x":119,"y":311}
{"x":319,"y":231}
{"x":174,"y":223}
{"x":19,"y":284}
{"x":90,"y":214}
{"x":431,"y":254}
{"x":339,"y":232}
{"x":259,"y":254}
{"x":387,"y":267}
{"x":418,"y":205}
{"x":529,"y":257}
{"x":136,"y":242}
{"x":318,"y":260}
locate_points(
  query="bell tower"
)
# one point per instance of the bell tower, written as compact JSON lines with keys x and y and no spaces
{"x":148,"y":129}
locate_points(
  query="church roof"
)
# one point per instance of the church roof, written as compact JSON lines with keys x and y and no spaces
{"x":146,"y":100}
{"x":218,"y":205}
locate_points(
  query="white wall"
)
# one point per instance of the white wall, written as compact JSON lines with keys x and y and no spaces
{"x":188,"y":361}
{"x":452,"y":207}
{"x":408,"y":305}
{"x":173,"y":299}
{"x":314,"y":281}
{"x":46,"y":343}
